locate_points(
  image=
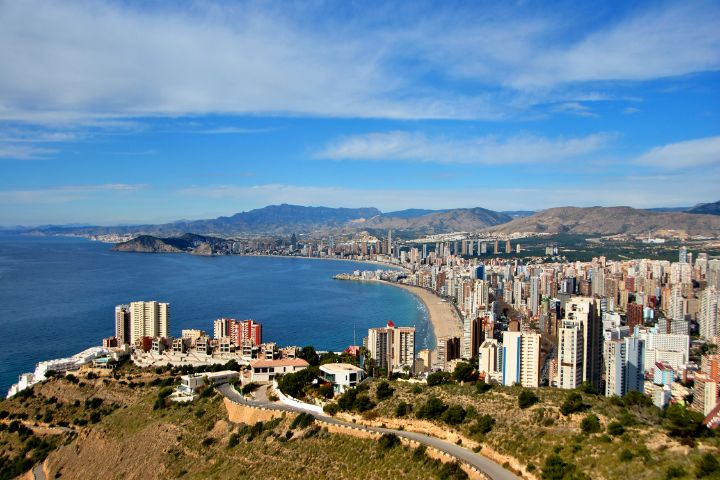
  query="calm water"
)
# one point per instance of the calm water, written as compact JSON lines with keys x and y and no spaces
{"x":57,"y":297}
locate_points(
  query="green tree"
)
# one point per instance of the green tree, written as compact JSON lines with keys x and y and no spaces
{"x":482,"y":387}
{"x":454,"y":415}
{"x":483,"y":424}
{"x":388,"y":441}
{"x":556,"y":468}
{"x":402,"y":409}
{"x":363,"y":403}
{"x":615,"y":428}
{"x":527,"y":398}
{"x":674,"y":471}
{"x":683,"y":423}
{"x":590,"y":424}
{"x":438,"y":378}
{"x":573,"y":403}
{"x":384,"y":391}
{"x":309,"y":354}
{"x":464,"y":372}
{"x":431,"y":409}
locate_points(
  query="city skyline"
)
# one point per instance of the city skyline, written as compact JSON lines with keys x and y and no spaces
{"x":123,"y":112}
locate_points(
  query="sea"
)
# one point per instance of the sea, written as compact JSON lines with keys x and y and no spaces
{"x":58,"y":295}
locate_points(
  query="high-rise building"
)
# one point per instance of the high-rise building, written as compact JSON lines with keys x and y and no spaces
{"x":489,"y":359}
{"x":634,"y":316}
{"x":581,"y":315}
{"x":710,"y":313}
{"x":149,"y":319}
{"x":392,"y":347}
{"x":248,"y":330}
{"x":683,"y":255}
{"x":534,"y":297}
{"x":508,"y":247}
{"x":571,"y":346}
{"x":226,"y":328}
{"x":530,"y":359}
{"x":624,"y":366}
{"x":122,"y":324}
{"x":511,"y":358}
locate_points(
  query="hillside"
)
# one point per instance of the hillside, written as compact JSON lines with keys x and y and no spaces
{"x":188,"y":243}
{"x":706,"y":208}
{"x":461,"y":219}
{"x":611,"y":221}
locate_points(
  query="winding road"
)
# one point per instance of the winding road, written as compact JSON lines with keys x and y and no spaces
{"x":493,"y":470}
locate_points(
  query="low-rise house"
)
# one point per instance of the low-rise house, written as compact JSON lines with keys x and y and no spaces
{"x":189,"y":384}
{"x":265,"y":370}
{"x":341,"y":375}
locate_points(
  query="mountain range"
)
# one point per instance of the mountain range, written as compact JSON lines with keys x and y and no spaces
{"x":287,"y":219}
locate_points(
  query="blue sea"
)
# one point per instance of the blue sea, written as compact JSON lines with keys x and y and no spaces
{"x":57,"y":297}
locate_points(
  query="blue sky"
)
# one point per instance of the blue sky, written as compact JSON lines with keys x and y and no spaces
{"x":125,"y":112}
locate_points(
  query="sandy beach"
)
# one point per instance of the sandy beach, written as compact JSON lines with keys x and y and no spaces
{"x":442,"y":315}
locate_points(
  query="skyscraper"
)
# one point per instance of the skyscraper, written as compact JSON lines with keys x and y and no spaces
{"x":249,"y":330}
{"x":122,"y":324}
{"x":581,"y":315}
{"x":392,"y":347}
{"x":624,"y":366}
{"x":534,"y":298}
{"x":571,"y":347}
{"x":710,"y":313}
{"x":149,"y":319}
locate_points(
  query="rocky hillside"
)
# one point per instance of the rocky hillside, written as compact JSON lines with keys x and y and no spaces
{"x":611,"y":221}
{"x":187,"y":243}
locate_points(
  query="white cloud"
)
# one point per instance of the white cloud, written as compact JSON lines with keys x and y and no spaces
{"x":62,"y":194}
{"x":73,"y":61}
{"x":701,"y":152}
{"x":490,"y":150}
{"x":24,"y":152}
{"x":574,"y":108}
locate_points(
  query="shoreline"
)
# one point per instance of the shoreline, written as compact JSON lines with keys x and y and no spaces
{"x":441,"y":315}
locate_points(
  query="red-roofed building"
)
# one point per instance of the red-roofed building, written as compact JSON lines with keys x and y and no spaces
{"x":265,"y":370}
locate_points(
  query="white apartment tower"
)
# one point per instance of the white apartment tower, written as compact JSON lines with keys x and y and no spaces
{"x":709,"y":313}
{"x":392,"y":347}
{"x":624,"y":366}
{"x":571,"y":350}
{"x":149,"y":319}
{"x":530,"y":359}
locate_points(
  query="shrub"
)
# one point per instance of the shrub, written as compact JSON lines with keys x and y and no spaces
{"x":95,"y":417}
{"x":636,"y":398}
{"x":384,"y":391}
{"x":438,"y":378}
{"x":454,"y":415}
{"x":674,"y":471}
{"x":683,"y":423}
{"x":483,"y":425}
{"x":556,"y":468}
{"x":416,"y":389}
{"x":419,"y":454}
{"x":248,"y":388}
{"x":625,"y":455}
{"x":402,"y":409}
{"x":331,"y":409}
{"x":293,"y":383}
{"x":326,"y":390}
{"x":207,"y":442}
{"x":527,"y":398}
{"x":303,"y":420}
{"x":363,"y":403}
{"x":482,"y":387}
{"x":615,"y":429}
{"x":388,"y":441}
{"x":452,"y":471}
{"x":590,"y":424}
{"x":431,"y":409}
{"x":707,"y":466}
{"x":96,"y":402}
{"x":573,"y":403}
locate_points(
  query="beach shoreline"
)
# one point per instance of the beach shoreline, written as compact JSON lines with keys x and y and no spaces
{"x":441,"y":314}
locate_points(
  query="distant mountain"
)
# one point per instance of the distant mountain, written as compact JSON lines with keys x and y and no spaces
{"x":287,"y":219}
{"x":668,"y":209}
{"x":519,"y":213}
{"x":610,"y":221}
{"x":706,"y":208}
{"x":412,"y":213}
{"x":460,"y":219}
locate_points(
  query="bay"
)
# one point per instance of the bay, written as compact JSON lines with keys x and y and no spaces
{"x":57,"y":297}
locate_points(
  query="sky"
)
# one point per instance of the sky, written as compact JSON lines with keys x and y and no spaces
{"x":117,"y":112}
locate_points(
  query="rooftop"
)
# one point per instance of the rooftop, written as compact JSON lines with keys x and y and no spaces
{"x":283,"y":362}
{"x":339,"y":368}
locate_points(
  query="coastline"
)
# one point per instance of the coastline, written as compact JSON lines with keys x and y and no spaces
{"x":442,"y":315}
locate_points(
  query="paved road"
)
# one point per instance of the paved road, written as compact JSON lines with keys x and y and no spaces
{"x":484,"y":464}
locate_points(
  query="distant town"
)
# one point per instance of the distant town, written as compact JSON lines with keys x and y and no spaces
{"x":611,"y":327}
